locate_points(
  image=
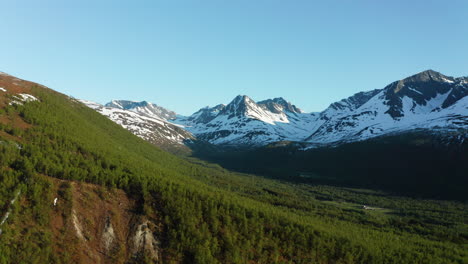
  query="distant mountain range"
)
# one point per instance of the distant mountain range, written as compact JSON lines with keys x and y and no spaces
{"x":427,"y":100}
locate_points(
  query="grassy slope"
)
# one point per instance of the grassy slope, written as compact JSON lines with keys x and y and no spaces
{"x":210,"y":215}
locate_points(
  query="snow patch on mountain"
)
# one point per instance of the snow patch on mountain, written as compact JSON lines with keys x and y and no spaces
{"x":143,"y":108}
{"x":21,"y":98}
{"x":143,"y":123}
{"x":91,"y":104}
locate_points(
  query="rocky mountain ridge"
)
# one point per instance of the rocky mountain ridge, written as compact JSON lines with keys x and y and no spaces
{"x":145,"y":120}
{"x":423,"y":101}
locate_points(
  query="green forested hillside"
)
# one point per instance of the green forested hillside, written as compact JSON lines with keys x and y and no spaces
{"x":208,"y":214}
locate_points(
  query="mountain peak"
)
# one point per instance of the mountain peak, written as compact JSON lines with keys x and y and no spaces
{"x":241,"y":98}
{"x":428,"y":76}
{"x":206,"y":114}
{"x":271,"y":104}
{"x":142,"y":107}
{"x":238,"y":106}
{"x":126,"y":104}
{"x":279,"y":100}
{"x":425,"y":76}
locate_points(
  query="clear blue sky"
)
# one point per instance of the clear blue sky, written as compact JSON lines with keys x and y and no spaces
{"x":188,"y":54}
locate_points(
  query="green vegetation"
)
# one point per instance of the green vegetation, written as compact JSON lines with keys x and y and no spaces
{"x":417,"y":164}
{"x":209,"y":215}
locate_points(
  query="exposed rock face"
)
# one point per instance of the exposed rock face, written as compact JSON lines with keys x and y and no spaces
{"x":108,"y":235}
{"x":279,"y":105}
{"x":77,"y":226}
{"x":144,"y":241}
{"x":204,"y":115}
{"x":348,"y":104}
{"x":98,"y":225}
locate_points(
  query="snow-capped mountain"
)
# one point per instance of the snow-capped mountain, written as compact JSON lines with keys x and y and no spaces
{"x":246,"y":122}
{"x":348,"y":104}
{"x":143,"y":108}
{"x":278,"y":105}
{"x":145,"y":120}
{"x":202,"y":116}
{"x":427,"y":100}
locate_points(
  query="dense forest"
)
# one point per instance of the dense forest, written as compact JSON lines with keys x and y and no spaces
{"x":208,"y":214}
{"x":420,"y":163}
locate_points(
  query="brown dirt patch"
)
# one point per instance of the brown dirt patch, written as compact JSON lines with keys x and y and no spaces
{"x":78,"y":224}
{"x":13,"y":86}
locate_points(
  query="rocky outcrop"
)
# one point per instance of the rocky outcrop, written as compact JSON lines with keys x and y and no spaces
{"x":97,"y":225}
{"x":108,"y":235}
{"x":145,"y":243}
